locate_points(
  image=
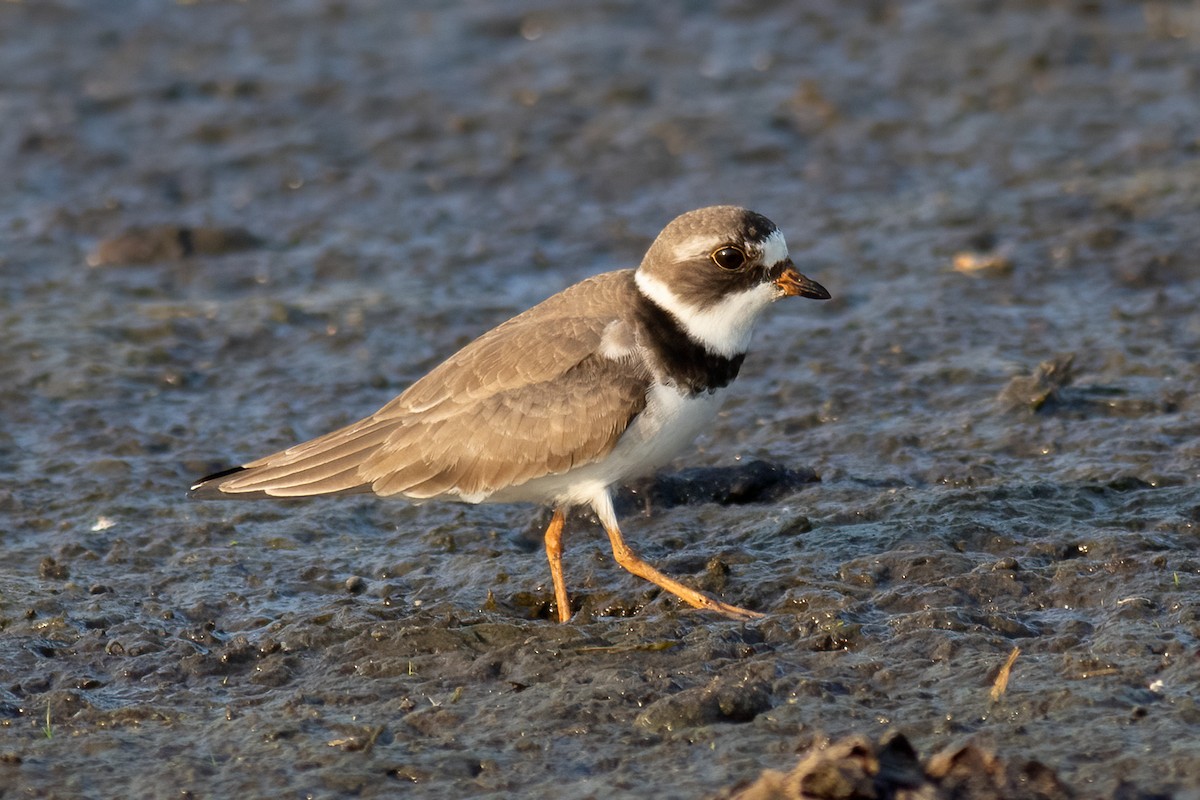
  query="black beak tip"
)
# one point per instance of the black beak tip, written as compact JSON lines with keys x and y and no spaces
{"x":817,"y":292}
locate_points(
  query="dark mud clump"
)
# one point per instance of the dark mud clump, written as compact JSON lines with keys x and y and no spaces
{"x":1043,"y":390}
{"x":169,"y":243}
{"x":858,"y":769}
{"x":756,"y":481}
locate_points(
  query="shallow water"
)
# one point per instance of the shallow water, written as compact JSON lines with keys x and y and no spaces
{"x":416,"y":176}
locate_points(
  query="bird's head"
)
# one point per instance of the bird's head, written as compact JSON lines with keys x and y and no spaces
{"x":715,"y":269}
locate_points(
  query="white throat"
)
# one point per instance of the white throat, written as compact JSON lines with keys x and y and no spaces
{"x":724,"y":328}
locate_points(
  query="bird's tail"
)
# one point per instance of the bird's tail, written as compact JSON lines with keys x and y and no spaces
{"x":329,"y":464}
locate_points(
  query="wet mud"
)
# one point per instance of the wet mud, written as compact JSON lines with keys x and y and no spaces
{"x":228,"y":227}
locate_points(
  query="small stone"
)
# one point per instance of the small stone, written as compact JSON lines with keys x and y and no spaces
{"x":169,"y":243}
{"x":50,"y":569}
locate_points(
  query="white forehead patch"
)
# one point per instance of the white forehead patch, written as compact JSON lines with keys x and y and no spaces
{"x":774,"y":249}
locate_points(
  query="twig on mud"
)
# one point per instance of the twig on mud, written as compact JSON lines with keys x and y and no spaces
{"x":1000,"y":685}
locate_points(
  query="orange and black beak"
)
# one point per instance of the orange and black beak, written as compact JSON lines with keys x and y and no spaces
{"x":793,"y":284}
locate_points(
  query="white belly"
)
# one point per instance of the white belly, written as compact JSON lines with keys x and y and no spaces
{"x":669,"y":423}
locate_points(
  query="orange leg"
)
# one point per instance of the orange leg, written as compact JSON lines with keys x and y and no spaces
{"x":554,"y":552}
{"x":632,"y":562}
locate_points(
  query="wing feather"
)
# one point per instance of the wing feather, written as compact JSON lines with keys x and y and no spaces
{"x":535,"y":396}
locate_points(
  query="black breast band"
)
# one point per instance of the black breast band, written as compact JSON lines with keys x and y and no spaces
{"x":684,"y":362}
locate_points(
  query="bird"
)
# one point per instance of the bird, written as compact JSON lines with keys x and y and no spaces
{"x":602,"y":383}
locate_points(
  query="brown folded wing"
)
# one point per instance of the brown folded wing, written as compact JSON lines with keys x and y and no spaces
{"x":532,"y":397}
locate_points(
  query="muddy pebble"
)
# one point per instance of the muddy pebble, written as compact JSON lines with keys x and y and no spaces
{"x":1040,"y":389}
{"x":169,"y":243}
{"x":724,"y":699}
{"x":50,"y":569}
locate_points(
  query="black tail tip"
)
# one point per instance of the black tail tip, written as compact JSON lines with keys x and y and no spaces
{"x":205,"y":486}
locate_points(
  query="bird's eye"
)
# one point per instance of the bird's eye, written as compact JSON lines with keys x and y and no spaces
{"x":730,"y":258}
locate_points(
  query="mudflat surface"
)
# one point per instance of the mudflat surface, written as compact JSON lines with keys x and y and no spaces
{"x":227,"y":227}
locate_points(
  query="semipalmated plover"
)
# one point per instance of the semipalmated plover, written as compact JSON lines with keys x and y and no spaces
{"x":604,"y":382}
